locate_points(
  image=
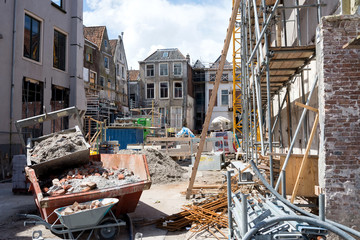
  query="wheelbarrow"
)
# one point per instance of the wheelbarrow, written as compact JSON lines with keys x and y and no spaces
{"x":100,"y":221}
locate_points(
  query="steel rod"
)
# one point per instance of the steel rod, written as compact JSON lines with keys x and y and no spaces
{"x":296,"y":133}
{"x":322,"y":207}
{"x":283,"y":185}
{"x":244,"y":216}
{"x":231,"y":230}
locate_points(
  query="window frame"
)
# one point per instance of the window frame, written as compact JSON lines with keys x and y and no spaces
{"x":66,"y":49}
{"x":174,"y":90}
{"x":40,"y":39}
{"x":153,"y":70}
{"x":160,"y":90}
{"x":61,"y":6}
{"x":180,"y":74}
{"x":222,"y":95}
{"x":212,"y":77}
{"x":225,"y":77}
{"x":95,"y":78}
{"x":102,"y":83}
{"x":106,"y":66}
{"x":153,"y":90}
{"x":167,"y":69}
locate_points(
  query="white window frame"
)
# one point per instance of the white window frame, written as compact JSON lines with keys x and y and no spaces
{"x":167,"y":69}
{"x":182,"y":90}
{"x":167,"y":90}
{"x":146,"y":70}
{"x":180,"y":74}
{"x":41,"y":37}
{"x":221,"y":92}
{"x":174,"y":120}
{"x":146,"y":88}
{"x":225,"y":77}
{"x":212,"y":77}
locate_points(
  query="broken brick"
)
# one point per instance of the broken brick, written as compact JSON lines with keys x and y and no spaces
{"x":57,"y":193}
{"x":114,"y":168}
{"x":86,"y":189}
{"x":121,"y":176}
{"x":97,"y":174}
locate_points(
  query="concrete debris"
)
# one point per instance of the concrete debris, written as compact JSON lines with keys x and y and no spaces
{"x":61,"y":144}
{"x":89,"y":177}
{"x":76,"y":207}
{"x":162,"y":168}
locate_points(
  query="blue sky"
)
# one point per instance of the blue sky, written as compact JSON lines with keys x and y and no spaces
{"x":195,"y":27}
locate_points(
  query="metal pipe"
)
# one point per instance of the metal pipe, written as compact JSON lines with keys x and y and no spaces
{"x":257,"y":31}
{"x":244,"y":216}
{"x":267,"y":62}
{"x":279,"y":112}
{"x":296,"y":133}
{"x":302,"y":6}
{"x":231,"y":230}
{"x":307,"y":115}
{"x":263,"y":31}
{"x":280,"y":124}
{"x":12,"y":86}
{"x":284,"y":24}
{"x":322,"y":207}
{"x":300,"y":210}
{"x":309,"y":220}
{"x":298,"y":22}
{"x":283,"y":185}
{"x":318,"y":11}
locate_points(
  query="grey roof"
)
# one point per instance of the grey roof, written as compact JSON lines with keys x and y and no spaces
{"x":217,"y":62}
{"x":198,"y":64}
{"x":166,"y":54}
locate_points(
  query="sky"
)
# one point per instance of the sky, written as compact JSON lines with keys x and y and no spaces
{"x":195,"y":27}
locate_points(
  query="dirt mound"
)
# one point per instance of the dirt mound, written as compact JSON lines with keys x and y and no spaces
{"x":162,"y":168}
{"x":59,"y":145}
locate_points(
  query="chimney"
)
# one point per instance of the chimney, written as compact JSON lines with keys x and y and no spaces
{"x":188,"y":58}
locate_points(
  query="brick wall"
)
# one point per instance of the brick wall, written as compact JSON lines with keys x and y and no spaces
{"x":339,"y":106}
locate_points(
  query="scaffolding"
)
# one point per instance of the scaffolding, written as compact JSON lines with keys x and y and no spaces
{"x":266,"y":67}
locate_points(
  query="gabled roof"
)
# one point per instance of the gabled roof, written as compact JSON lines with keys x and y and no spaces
{"x":134,"y":75}
{"x":166,"y":54}
{"x":217,"y":62}
{"x":113,"y":43}
{"x":95,"y":34}
{"x":198,"y":64}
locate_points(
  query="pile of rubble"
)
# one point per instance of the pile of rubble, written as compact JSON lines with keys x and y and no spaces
{"x":89,"y":177}
{"x":60,"y":144}
{"x":162,"y":168}
{"x":76,"y":207}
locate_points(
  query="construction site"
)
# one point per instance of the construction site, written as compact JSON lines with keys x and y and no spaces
{"x":275,"y":157}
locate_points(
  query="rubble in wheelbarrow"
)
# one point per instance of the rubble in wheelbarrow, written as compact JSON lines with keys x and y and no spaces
{"x":59,"y":145}
{"x":88,"y":177}
{"x":77,"y":207}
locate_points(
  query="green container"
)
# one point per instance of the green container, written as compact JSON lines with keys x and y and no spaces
{"x":146,"y":122}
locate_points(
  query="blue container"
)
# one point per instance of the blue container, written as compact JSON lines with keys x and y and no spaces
{"x":125,"y":136}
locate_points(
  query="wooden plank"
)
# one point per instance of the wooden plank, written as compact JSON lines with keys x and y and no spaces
{"x":307,"y":107}
{"x":304,"y":160}
{"x":213,"y":95}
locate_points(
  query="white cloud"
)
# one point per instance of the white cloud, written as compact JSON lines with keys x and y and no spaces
{"x":197,"y":27}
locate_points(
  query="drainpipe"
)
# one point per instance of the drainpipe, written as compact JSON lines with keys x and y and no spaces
{"x":12,"y":78}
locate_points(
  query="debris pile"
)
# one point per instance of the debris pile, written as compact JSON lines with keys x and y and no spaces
{"x":76,"y":207}
{"x":162,"y":168}
{"x":60,"y":144}
{"x":89,"y":177}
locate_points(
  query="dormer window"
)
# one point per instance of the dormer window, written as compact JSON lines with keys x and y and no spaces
{"x":165,"y":54}
{"x":105,"y":43}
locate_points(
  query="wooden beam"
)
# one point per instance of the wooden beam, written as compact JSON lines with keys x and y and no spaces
{"x":307,"y":107}
{"x":213,"y":95}
{"x":305,"y":159}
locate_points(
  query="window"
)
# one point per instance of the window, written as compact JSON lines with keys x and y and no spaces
{"x":150,"y":90}
{"x":86,"y":74}
{"x":163,"y":69}
{"x":177,"y":69}
{"x":164,"y":90}
{"x":92,"y":77}
{"x":178,"y":90}
{"x":59,"y":100}
{"x":224,"y":97}
{"x":32,"y":38}
{"x":122,"y":72}
{"x":117,"y":70}
{"x":212,"y":77}
{"x":59,"y":3}
{"x":102,"y":81}
{"x":210,"y":92}
{"x":105,"y":43}
{"x":150,"y":70}
{"x":225,"y":77}
{"x":176,"y":117}
{"x":106,"y":62}
{"x":89,"y":57}
{"x":165,"y":54}
{"x":59,"y":53}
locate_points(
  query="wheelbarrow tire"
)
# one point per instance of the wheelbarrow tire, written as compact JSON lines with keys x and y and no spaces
{"x":106,"y":233}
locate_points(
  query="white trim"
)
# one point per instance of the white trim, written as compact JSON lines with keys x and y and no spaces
{"x":182,"y":90}
{"x":146,"y":88}
{"x":26,"y":12}
{"x":167,"y":70}
{"x":66,"y":50}
{"x":167,"y":90}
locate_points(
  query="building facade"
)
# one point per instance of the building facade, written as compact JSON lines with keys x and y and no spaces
{"x":40,"y":63}
{"x":167,"y":76}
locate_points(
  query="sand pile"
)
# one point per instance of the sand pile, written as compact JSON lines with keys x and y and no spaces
{"x":59,"y":145}
{"x":162,"y":168}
